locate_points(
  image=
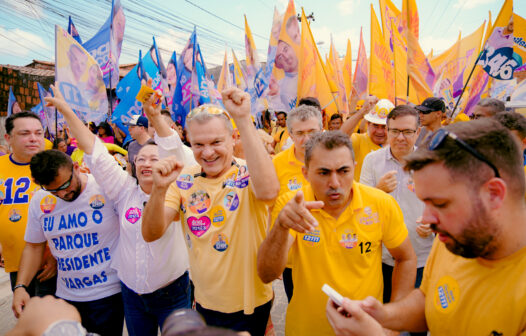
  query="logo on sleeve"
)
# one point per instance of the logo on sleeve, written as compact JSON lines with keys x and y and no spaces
{"x":48,"y":203}
{"x":97,"y":201}
{"x":447,"y":294}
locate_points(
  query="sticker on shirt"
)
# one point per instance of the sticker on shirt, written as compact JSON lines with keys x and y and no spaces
{"x":368,"y":217}
{"x":133,"y":215}
{"x":218,"y":215}
{"x":185,"y":181}
{"x":14,"y":215}
{"x":47,"y":204}
{"x":230,"y":182}
{"x":447,"y":294}
{"x":242,"y":177}
{"x":312,"y":238}
{"x":349,"y":239}
{"x":97,"y":201}
{"x":231,"y":201}
{"x":220,"y":242}
{"x":198,"y":226}
{"x":199,"y":202}
{"x":411,"y":184}
{"x":293,"y":184}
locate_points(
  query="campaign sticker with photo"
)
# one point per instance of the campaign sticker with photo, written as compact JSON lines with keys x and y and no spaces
{"x":133,"y":215}
{"x":230,"y":182}
{"x":48,"y":203}
{"x":242,"y":177}
{"x":199,"y":202}
{"x":97,"y":201}
{"x":218,"y":215}
{"x":14,"y":215}
{"x":231,"y":201}
{"x":185,"y":181}
{"x":198,"y":226}
{"x":220,"y":242}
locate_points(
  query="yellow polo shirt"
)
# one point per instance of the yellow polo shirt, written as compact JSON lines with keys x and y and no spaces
{"x":16,"y":190}
{"x":345,"y":253}
{"x":474,"y":296}
{"x":224,"y":225}
{"x":288,"y":169}
{"x":362,"y":145}
{"x":280,"y":135}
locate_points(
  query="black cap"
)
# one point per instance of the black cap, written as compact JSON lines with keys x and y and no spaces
{"x":432,"y":104}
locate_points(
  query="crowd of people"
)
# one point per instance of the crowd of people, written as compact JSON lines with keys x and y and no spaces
{"x":419,"y":221}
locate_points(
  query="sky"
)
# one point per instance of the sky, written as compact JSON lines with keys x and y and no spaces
{"x":27,"y":27}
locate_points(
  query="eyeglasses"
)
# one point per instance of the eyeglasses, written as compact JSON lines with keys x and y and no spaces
{"x":207,"y":108}
{"x":405,"y":132}
{"x":62,"y":187}
{"x":440,"y":136}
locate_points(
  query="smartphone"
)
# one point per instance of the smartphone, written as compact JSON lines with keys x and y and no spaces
{"x":334,"y":295}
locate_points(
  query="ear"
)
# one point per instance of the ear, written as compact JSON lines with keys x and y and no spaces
{"x":495,"y":191}
{"x":7,"y":138}
{"x":304,"y":171}
{"x":76,"y":167}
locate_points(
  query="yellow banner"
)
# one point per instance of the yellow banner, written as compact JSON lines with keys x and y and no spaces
{"x":381,"y":78}
{"x":238,"y":74}
{"x":410,"y":19}
{"x":347,"y":70}
{"x":401,"y":75}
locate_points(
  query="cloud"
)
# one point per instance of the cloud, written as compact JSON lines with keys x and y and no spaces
{"x":17,"y":42}
{"x":346,"y":7}
{"x":31,"y":9}
{"x":470,"y":4}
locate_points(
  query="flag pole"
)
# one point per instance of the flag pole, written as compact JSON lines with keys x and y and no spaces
{"x":465,"y":85}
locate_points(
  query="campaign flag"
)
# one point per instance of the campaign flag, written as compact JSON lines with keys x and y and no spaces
{"x":73,"y":31}
{"x":381,"y":80}
{"x":361,"y":71}
{"x":480,"y":80}
{"x":519,"y":37}
{"x":283,"y":85}
{"x":171,"y":76}
{"x":388,"y":13}
{"x":47,"y":113}
{"x":401,"y":74}
{"x":105,"y":46}
{"x":313,"y":79}
{"x":421,"y":74}
{"x":225,"y":79}
{"x":182,"y":96}
{"x":347,"y":70}
{"x":79,"y":78}
{"x":238,"y":75}
{"x":341,"y":99}
{"x":256,"y":78}
{"x":410,"y":19}
{"x":160,"y":81}
{"x":277,"y":21}
{"x":12,"y":104}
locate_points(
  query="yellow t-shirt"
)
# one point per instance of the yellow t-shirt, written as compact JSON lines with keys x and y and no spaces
{"x":224,"y":225}
{"x":47,"y":144}
{"x":362,"y":145}
{"x":16,"y":190}
{"x":288,"y":169}
{"x":345,"y":253}
{"x":280,"y":135}
{"x":474,"y":296}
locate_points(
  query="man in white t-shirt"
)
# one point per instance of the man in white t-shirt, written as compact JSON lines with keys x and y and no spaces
{"x":76,"y":219}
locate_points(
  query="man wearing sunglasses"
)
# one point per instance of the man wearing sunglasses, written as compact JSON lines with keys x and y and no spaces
{"x":77,"y":220}
{"x":470,"y":178}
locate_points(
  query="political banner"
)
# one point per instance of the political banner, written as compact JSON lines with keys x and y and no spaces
{"x":361,"y":71}
{"x":12,"y":104}
{"x":73,"y":31}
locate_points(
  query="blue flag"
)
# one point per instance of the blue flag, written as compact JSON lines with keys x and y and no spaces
{"x":171,"y":78}
{"x":12,"y":105}
{"x":73,"y":31}
{"x":182,"y":95}
{"x":106,"y":45}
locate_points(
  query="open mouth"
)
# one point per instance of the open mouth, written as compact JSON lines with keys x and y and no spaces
{"x":146,"y":172}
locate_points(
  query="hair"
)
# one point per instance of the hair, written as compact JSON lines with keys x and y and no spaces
{"x":106,"y":127}
{"x":310,"y":101}
{"x":402,"y":111}
{"x":281,"y":112}
{"x":489,"y":138}
{"x":45,"y":165}
{"x":302,"y":113}
{"x":336,"y":116}
{"x":10,"y":121}
{"x":56,"y":142}
{"x":493,"y":104}
{"x":513,"y":121}
{"x":329,"y":140}
{"x":204,"y":117}
{"x":166,"y":112}
{"x":265,"y":116}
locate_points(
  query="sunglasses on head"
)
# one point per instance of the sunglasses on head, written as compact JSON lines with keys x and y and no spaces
{"x":440,"y":136}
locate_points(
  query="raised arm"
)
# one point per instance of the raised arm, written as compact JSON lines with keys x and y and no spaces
{"x":157,"y":217}
{"x":262,"y":173}
{"x":85,"y":138}
{"x":350,"y":124}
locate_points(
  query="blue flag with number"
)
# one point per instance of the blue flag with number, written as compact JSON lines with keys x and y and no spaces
{"x":73,"y":31}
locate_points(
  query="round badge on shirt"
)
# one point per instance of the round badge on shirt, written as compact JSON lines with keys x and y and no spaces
{"x":14,"y":215}
{"x":48,"y":203}
{"x":218,"y":215}
{"x":231,"y":201}
{"x":97,"y":201}
{"x":220,"y":242}
{"x":185,"y":181}
{"x":199,"y":202}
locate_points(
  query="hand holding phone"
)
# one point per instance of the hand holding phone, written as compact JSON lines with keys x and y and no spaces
{"x":336,"y":297}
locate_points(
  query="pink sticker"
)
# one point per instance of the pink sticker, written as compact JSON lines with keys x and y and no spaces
{"x":133,"y":215}
{"x":198,"y":226}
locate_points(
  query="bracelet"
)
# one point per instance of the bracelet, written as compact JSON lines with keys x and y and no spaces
{"x":19,"y":286}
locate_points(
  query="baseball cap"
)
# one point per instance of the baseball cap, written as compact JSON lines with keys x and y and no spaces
{"x":378,"y":115}
{"x":431,"y":104}
{"x":138,"y":120}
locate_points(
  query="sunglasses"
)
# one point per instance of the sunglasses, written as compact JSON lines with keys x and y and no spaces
{"x":206,"y":108}
{"x":440,"y":136}
{"x":62,"y":187}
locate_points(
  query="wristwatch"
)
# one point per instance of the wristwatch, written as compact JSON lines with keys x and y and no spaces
{"x":20,"y":285}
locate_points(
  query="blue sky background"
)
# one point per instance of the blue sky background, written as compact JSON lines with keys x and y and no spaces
{"x":27,"y":33}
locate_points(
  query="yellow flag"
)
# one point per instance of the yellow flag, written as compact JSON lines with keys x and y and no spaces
{"x":312,"y":80}
{"x":250,"y":50}
{"x":519,"y":35}
{"x":361,"y":71}
{"x":238,"y":74}
{"x":410,"y":18}
{"x":347,"y":70}
{"x":225,"y":80}
{"x":401,"y":74}
{"x":381,"y":80}
{"x":388,"y":13}
{"x":341,"y":95}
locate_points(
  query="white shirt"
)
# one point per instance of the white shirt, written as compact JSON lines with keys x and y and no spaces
{"x":82,"y":235}
{"x":375,"y":165}
{"x":141,"y":266}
